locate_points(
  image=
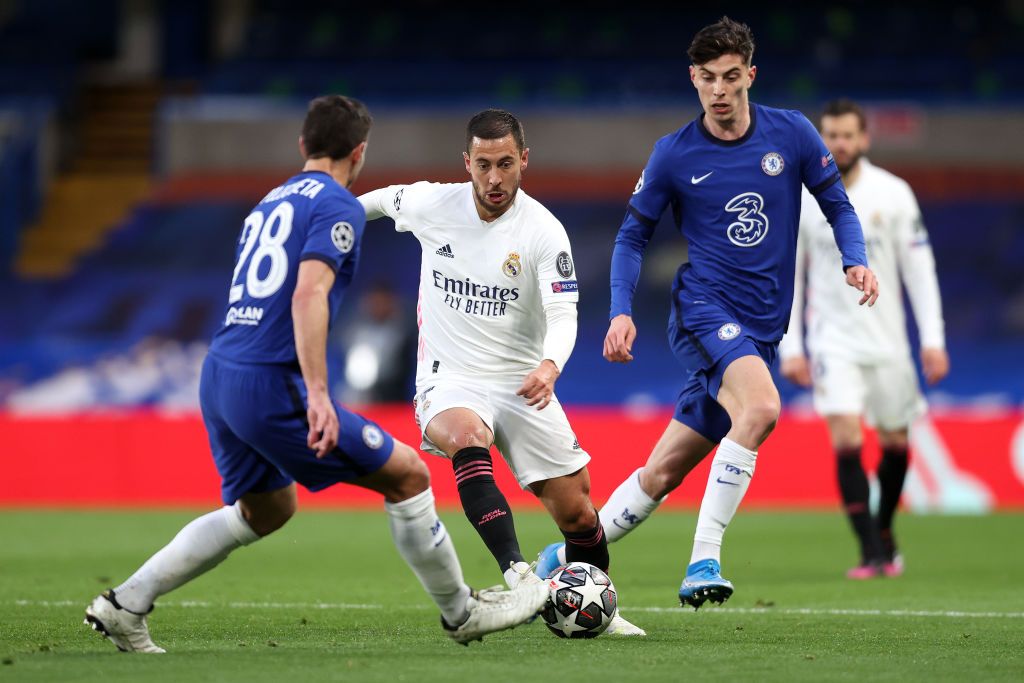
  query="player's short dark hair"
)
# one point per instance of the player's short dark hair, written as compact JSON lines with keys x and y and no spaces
{"x":334,"y":126}
{"x":844,"y":106}
{"x":494,"y":124}
{"x":724,"y":37}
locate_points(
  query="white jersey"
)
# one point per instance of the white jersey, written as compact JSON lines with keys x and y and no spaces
{"x":483,"y":285}
{"x":897,"y":247}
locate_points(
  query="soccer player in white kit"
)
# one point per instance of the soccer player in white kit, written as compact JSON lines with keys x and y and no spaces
{"x":497,"y":318}
{"x":860,"y":363}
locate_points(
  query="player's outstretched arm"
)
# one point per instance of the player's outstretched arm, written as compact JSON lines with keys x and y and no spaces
{"x":618,"y":343}
{"x":862,"y":279}
{"x":310,"y":317}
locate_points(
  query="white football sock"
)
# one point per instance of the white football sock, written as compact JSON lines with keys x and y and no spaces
{"x":200,"y":546}
{"x":424,"y":543}
{"x":628,"y":506}
{"x":731,"y":472}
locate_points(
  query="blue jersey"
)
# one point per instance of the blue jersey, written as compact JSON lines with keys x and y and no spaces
{"x":737,"y":203}
{"x":310,"y":216}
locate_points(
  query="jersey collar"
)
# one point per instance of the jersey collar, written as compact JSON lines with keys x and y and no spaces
{"x":729,"y":143}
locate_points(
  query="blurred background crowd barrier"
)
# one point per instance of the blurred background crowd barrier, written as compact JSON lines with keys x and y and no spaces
{"x":135,"y":135}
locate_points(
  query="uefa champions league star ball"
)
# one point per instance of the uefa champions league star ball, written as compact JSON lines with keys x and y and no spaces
{"x":581,"y":601}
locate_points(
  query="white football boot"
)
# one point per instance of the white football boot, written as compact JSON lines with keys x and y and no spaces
{"x":495,"y":609}
{"x":521,"y":572}
{"x":127,"y":630}
{"x":620,"y":627}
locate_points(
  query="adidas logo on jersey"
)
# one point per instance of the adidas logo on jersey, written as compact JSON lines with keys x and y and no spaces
{"x":446,"y":251}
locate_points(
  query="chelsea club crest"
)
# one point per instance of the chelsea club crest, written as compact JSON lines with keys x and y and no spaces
{"x":728,"y":331}
{"x":772,"y":163}
{"x":512,"y":265}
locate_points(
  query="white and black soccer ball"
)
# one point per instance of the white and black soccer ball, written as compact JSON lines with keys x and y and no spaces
{"x":581,"y":602}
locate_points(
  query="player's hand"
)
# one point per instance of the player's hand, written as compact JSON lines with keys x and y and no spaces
{"x":935,"y":363}
{"x":539,"y":386}
{"x":864,"y":280}
{"x":323,"y":424}
{"x":797,"y":370}
{"x":618,"y":343}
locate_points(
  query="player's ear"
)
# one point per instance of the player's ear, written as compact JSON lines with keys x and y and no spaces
{"x":302,"y":147}
{"x":865,"y":143}
{"x":524,"y":158}
{"x":359,"y":152}
{"x":751,"y":75}
{"x":465,"y":157}
{"x":693,"y":75}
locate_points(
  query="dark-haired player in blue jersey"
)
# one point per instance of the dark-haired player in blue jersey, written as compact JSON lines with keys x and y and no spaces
{"x":270,"y":420}
{"x":733,"y":178}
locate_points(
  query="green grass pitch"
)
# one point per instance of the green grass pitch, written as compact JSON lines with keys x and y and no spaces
{"x":327,"y":598}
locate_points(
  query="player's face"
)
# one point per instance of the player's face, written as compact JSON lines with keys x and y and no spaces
{"x":496,"y":167}
{"x":722,"y":86}
{"x":845,"y":139}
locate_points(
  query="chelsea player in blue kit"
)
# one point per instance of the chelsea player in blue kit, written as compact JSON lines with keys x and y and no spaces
{"x":733,"y":179}
{"x":270,"y":420}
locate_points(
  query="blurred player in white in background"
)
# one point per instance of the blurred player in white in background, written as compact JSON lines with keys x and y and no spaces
{"x":497,"y":315}
{"x":859,"y":359}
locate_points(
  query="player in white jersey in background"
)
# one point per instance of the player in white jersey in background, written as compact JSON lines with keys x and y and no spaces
{"x":859,"y":359}
{"x":497,"y":317}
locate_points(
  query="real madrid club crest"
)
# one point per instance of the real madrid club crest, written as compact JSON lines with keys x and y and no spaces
{"x":728,"y":331}
{"x":772,"y":163}
{"x":512,"y":265}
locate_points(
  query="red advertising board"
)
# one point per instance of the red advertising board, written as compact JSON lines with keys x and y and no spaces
{"x":962,"y":462}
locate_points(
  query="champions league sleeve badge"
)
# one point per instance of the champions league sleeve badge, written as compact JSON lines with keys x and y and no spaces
{"x":563,"y":262}
{"x":343,"y":237}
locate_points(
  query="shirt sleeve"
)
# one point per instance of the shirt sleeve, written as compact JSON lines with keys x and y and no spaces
{"x":792,"y":343}
{"x":821,"y":177}
{"x":917,"y":269}
{"x":560,"y":336}
{"x":556,"y":270}
{"x":336,"y":226}
{"x":653,"y":193}
{"x":398,"y":202}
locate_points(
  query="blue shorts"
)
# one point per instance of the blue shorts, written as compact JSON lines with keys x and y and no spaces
{"x":255,"y":417}
{"x":706,"y":340}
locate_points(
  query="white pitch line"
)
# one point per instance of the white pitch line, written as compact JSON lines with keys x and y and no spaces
{"x":808,"y":611}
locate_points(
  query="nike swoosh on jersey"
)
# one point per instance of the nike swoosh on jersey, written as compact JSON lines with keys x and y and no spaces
{"x":694,"y":179}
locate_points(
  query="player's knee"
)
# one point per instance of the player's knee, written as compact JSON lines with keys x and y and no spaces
{"x":411,"y":476}
{"x":760,"y":417}
{"x":267,"y":518}
{"x":468,"y":437}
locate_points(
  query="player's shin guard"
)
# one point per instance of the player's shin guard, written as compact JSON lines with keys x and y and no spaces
{"x":423,"y":542}
{"x":485,"y":506}
{"x":590,"y":546}
{"x":199,"y":547}
{"x":853,"y":487}
{"x":628,"y":506}
{"x":892,"y":471}
{"x":731,"y":472}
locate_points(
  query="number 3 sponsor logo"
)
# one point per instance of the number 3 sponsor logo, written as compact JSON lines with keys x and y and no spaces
{"x":751,"y":225}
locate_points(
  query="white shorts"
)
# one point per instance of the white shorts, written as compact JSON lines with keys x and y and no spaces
{"x":886,"y":393}
{"x":536,"y":444}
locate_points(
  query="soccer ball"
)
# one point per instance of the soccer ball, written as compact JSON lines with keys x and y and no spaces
{"x":581,"y":601}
